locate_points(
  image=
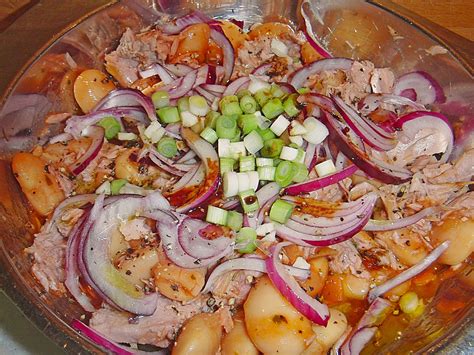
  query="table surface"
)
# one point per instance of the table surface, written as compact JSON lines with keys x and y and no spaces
{"x":19,"y":336}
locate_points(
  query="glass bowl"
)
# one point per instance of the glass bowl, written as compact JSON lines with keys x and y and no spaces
{"x":87,"y":30}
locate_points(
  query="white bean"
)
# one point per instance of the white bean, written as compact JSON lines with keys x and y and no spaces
{"x":273,"y":324}
{"x":237,"y":341}
{"x":201,"y":335}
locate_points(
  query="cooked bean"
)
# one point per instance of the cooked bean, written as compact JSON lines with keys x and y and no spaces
{"x":273,"y":324}
{"x":40,"y":187}
{"x":201,"y":335}
{"x":237,"y":341}
{"x":460,"y":231}
{"x":355,"y":287}
{"x":90,"y":87}
{"x":336,"y":327}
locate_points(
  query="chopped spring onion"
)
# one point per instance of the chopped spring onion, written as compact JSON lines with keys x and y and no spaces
{"x":264,"y":229}
{"x":289,"y":153}
{"x":284,"y":173}
{"x":223,"y":148}
{"x":183,"y":104}
{"x":257,"y":85}
{"x":243,"y":181}
{"x":298,"y":140}
{"x":279,"y":125}
{"x":277,"y":91}
{"x":327,"y":167}
{"x":249,"y":201}
{"x":301,"y":153}
{"x":230,"y":184}
{"x":409,"y":302}
{"x":209,"y":135}
{"x":243,"y":92}
{"x":316,"y":130}
{"x":301,"y":172}
{"x":262,"y":96}
{"x":226,"y":164}
{"x":125,"y":136}
{"x":211,"y":119}
{"x":110,"y":126}
{"x":229,"y":105}
{"x":303,"y":91}
{"x":216,"y":215}
{"x":154,"y":132}
{"x":297,"y":129}
{"x":264,"y":162}
{"x":253,"y":179}
{"x":253,"y":142}
{"x":168,"y":114}
{"x":272,"y":148}
{"x":248,"y":122}
{"x":236,"y":137}
{"x":237,"y":150}
{"x":160,"y":99}
{"x":246,"y":240}
{"x":272,"y":108}
{"x":188,"y":119}
{"x":167,"y":147}
{"x":235,"y":220}
{"x":248,"y":104}
{"x":266,"y":134}
{"x":290,"y":105}
{"x":266,"y":173}
{"x":116,"y":186}
{"x":247,"y":163}
{"x":226,"y":127}
{"x":198,"y":105}
{"x":104,"y":188}
{"x":281,"y":211}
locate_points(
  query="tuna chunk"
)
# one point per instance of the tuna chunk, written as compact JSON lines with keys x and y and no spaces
{"x":159,"y":329}
{"x":48,"y":250}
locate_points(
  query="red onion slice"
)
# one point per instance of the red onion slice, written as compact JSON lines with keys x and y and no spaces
{"x":310,"y":155}
{"x":320,"y":182}
{"x":390,"y":225}
{"x":372,"y":102}
{"x":410,"y":272}
{"x":206,"y":152}
{"x":206,"y":94}
{"x":317,"y":45}
{"x":372,"y":134}
{"x":127,"y":97}
{"x":300,"y":76}
{"x":181,"y":86}
{"x":262,"y":69}
{"x":99,"y":267}
{"x":289,"y":288}
{"x":168,"y":225}
{"x":250,"y":264}
{"x":218,"y":36}
{"x":414,"y":122}
{"x":286,"y":88}
{"x":72,"y":270}
{"x":366,"y":327}
{"x":178,"y":70}
{"x":377,"y":169}
{"x":99,"y":339}
{"x":70,"y":202}
{"x":157,"y":69}
{"x":191,"y":239}
{"x":427,"y":89}
{"x":319,"y":100}
{"x":214,"y":88}
{"x":236,"y":85}
{"x":97,"y":134}
{"x":192,"y":178}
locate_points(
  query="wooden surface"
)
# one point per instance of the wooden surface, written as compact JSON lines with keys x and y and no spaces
{"x":455,"y":15}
